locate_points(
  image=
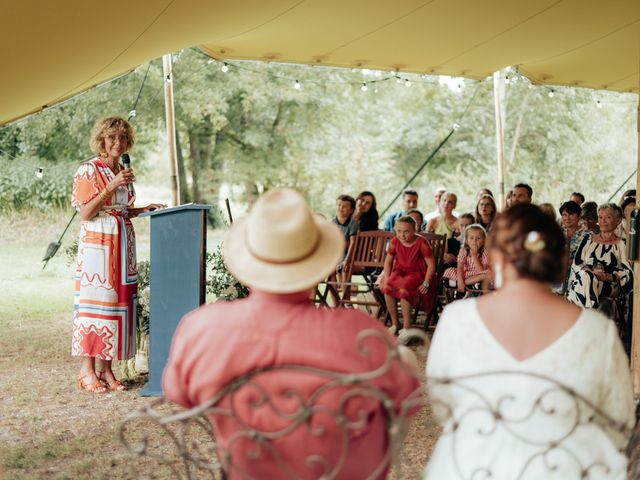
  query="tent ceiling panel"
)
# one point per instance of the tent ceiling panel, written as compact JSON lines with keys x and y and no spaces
{"x":54,"y":50}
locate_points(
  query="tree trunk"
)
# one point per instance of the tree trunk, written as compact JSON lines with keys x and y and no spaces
{"x":516,"y":132}
{"x":194,"y":155}
{"x":182,"y":174}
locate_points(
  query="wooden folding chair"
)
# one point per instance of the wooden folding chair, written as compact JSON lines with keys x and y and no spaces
{"x":366,"y":258}
{"x":438,"y":244}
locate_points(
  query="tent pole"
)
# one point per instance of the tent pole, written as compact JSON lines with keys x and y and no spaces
{"x":635,"y":335}
{"x":169,"y":110}
{"x":499,"y":107}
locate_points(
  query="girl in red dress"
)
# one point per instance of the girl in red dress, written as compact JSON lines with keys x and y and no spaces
{"x":408,"y":274}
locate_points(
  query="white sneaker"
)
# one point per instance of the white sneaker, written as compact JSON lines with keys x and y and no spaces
{"x":393,"y":330}
{"x":404,"y":336}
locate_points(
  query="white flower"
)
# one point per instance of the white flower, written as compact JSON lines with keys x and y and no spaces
{"x":145,"y":296}
{"x":230,"y":292}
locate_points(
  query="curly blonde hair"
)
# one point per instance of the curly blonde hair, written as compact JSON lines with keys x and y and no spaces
{"x":107,"y":126}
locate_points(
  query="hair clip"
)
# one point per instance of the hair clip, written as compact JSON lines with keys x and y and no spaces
{"x":534,"y":242}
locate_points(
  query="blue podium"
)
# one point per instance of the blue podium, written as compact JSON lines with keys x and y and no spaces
{"x":177,"y":279}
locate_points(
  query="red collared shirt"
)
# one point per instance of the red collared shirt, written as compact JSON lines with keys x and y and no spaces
{"x":222,"y":341}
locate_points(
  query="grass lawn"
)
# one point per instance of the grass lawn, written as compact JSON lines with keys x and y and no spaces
{"x":48,"y":427}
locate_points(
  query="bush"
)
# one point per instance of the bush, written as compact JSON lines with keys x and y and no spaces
{"x":221,"y":283}
{"x":20,"y":188}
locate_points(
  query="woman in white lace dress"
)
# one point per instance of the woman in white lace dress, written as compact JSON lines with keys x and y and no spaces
{"x":525,"y":384}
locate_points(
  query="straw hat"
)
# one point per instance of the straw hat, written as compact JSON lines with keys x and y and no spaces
{"x":281,"y":246}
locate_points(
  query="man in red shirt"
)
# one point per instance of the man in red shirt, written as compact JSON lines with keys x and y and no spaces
{"x":281,"y":251}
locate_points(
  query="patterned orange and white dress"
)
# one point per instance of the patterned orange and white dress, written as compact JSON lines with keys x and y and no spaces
{"x":106,"y":281}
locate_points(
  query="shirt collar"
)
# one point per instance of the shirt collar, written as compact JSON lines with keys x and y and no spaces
{"x":295,"y":297}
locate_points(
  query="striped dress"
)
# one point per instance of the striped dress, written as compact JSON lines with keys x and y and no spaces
{"x":106,"y":280}
{"x":469,"y":267}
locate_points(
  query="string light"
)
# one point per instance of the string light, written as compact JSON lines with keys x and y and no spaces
{"x":132,"y":114}
{"x":39,"y":172}
{"x":364,"y":87}
{"x":599,"y":104}
{"x":297,"y":85}
{"x":456,"y":126}
{"x":407,"y":83}
{"x":507,"y":80}
{"x":551,"y":93}
{"x":224,"y":68}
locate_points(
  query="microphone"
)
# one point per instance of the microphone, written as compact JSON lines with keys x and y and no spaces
{"x":126,"y":162}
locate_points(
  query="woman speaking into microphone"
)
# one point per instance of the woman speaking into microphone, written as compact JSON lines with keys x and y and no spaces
{"x":106,"y":282}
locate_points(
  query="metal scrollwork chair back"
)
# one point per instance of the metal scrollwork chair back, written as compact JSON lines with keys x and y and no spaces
{"x":543,"y":426}
{"x":326,"y":423}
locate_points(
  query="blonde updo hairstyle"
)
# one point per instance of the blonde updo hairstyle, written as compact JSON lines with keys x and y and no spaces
{"x":106,"y":127}
{"x":531,"y":241}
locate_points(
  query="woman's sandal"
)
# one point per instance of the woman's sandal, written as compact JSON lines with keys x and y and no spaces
{"x":113,"y":385}
{"x":96,"y":387}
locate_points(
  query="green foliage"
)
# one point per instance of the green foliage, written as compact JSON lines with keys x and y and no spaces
{"x":143,"y":298}
{"x":21,"y":189}
{"x":221,"y":284}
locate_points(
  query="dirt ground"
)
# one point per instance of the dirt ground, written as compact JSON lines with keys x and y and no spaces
{"x":50,"y":429}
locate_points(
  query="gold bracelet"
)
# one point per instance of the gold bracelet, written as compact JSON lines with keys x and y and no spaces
{"x":104,"y":194}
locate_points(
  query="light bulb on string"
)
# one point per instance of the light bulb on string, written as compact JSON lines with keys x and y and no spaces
{"x":398,"y":79}
{"x":551,"y":93}
{"x":39,"y":172}
{"x":224,"y":68}
{"x":599,"y":104}
{"x":507,"y":80}
{"x":210,"y":61}
{"x":364,"y":87}
{"x":407,"y":83}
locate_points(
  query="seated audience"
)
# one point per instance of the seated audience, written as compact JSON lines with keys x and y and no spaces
{"x":521,"y":193}
{"x":600,"y":266}
{"x":538,"y":338}
{"x":437,"y":195}
{"x":574,"y":233}
{"x":548,"y":209}
{"x":486,"y":211}
{"x":409,"y":202}
{"x":577,"y":197}
{"x":453,"y":244}
{"x":473,"y":260}
{"x":446,"y":223}
{"x":589,"y":217}
{"x":366,"y":212}
{"x":418,"y":217}
{"x":281,"y":251}
{"x":627,"y":193}
{"x":482,"y":192}
{"x":628,"y":205}
{"x":345,"y":206}
{"x":408,"y":275}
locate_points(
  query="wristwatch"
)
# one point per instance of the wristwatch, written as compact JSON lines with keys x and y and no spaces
{"x":425,"y":284}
